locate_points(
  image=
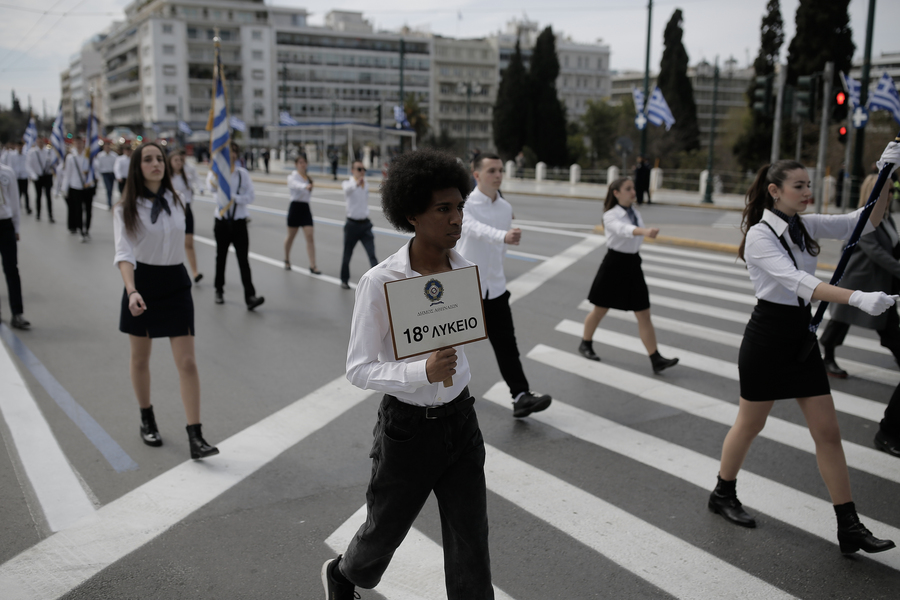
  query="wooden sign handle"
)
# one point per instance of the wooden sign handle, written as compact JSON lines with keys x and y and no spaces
{"x":448,"y":382}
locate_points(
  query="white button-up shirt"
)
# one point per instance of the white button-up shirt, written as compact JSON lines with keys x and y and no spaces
{"x":39,"y":161}
{"x":619,"y":230}
{"x":74,"y":176}
{"x":241,"y":192}
{"x":9,"y":196}
{"x":16,"y":161}
{"x":774,"y":276}
{"x":105,"y":161}
{"x":160,"y":243}
{"x":484,"y":227}
{"x":120,"y":167}
{"x":357,"y":199}
{"x":370,"y":355}
{"x":298,"y":188}
{"x":182,"y":185}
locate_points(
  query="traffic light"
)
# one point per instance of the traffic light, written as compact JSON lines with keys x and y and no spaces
{"x":807,"y":90}
{"x":842,"y":134}
{"x":378,"y":115}
{"x":839,"y":108}
{"x":762,"y":95}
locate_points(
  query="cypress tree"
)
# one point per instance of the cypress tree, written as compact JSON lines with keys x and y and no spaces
{"x":512,"y":103}
{"x":677,"y":89}
{"x":823,"y":34}
{"x":548,"y":136}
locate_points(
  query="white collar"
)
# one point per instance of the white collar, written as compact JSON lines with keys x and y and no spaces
{"x":477,"y":195}
{"x":776,"y":222}
{"x":399,"y":261}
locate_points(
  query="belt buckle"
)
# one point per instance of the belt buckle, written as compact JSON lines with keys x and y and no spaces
{"x":427,"y":411}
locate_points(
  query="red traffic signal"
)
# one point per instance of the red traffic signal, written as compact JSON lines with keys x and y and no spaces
{"x":840,"y":99}
{"x":842,"y":134}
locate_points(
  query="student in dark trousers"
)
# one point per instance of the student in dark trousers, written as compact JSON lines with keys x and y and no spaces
{"x":40,"y":170}
{"x":427,"y":437}
{"x":231,"y":228}
{"x":9,"y":239}
{"x":17,"y":161}
{"x":358,"y":227}
{"x":776,"y":359}
{"x":148,"y":228}
{"x":78,"y":191}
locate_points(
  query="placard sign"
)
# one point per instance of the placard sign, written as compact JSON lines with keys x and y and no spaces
{"x":437,"y":311}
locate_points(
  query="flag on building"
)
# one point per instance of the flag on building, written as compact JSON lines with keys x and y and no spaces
{"x":851,"y":87}
{"x":885,"y":97}
{"x":658,"y":111}
{"x":638,"y":97}
{"x":92,"y":143}
{"x":400,"y":118}
{"x":30,"y":136}
{"x":185,"y":128}
{"x":286,"y":119}
{"x":220,"y":134}
{"x":238,"y":124}
{"x":58,"y":138}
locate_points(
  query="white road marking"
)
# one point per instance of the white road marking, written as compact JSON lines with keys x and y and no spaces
{"x":786,"y":504}
{"x":743,"y":284}
{"x":531,"y":280}
{"x":58,"y":489}
{"x":68,"y":558}
{"x":699,"y":290}
{"x":843,"y":402}
{"x":737,"y":270}
{"x":700,"y":405}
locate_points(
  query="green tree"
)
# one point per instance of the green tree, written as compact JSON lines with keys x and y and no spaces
{"x":753,"y":146}
{"x":510,"y":131}
{"x":548,"y":134}
{"x":823,"y":34}
{"x":416,"y":116}
{"x":601,"y":125}
{"x":677,"y":89}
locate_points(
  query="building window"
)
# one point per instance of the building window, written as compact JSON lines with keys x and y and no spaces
{"x":167,"y":28}
{"x":169,"y":70}
{"x":259,"y":74}
{"x":169,"y":49}
{"x":148,"y":90}
{"x":171,"y":109}
{"x":256,"y":35}
{"x":257,"y":55}
{"x":171,"y":90}
{"x":192,"y":33}
{"x":259,"y":93}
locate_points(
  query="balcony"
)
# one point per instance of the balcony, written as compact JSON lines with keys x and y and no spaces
{"x":122,"y":86}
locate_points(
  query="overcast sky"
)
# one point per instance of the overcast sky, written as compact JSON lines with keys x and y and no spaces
{"x":35,"y":47}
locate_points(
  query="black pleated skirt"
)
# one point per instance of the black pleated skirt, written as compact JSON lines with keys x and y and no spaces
{"x":299,"y":215}
{"x":166,"y":291}
{"x":768,"y":362}
{"x":619,"y":283}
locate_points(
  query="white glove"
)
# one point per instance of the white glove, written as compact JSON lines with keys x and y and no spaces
{"x":873,"y":303}
{"x":891,"y":154}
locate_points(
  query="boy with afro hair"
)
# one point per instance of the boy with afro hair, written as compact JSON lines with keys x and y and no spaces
{"x":427,"y":436}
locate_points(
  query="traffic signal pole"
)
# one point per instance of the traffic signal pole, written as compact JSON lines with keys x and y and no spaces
{"x":776,"y":128}
{"x":647,"y":77}
{"x":827,"y":77}
{"x":858,"y":170}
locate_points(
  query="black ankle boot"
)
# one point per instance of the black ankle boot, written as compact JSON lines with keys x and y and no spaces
{"x":660,"y":364}
{"x":586,"y":349}
{"x":149,"y":432}
{"x":199,"y":447}
{"x":723,"y":501}
{"x":853,"y":535}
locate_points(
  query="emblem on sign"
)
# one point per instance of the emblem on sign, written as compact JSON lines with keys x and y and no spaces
{"x":434,"y":291}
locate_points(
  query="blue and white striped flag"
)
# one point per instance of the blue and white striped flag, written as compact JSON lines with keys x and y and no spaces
{"x":400,"y":117}
{"x":30,"y":136}
{"x":220,"y":134}
{"x":92,"y":145}
{"x":238,"y":124}
{"x":58,"y":138}
{"x":185,"y":128}
{"x":885,"y":97}
{"x":638,"y":97}
{"x":285,"y":118}
{"x":851,"y":87}
{"x":658,"y":111}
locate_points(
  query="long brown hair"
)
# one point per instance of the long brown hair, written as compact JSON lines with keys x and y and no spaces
{"x":758,"y":199}
{"x":134,"y":186}
{"x":611,"y":200}
{"x":303,"y":156}
{"x":183,"y":173}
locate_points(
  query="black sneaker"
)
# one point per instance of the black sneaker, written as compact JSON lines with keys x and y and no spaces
{"x":586,"y":349}
{"x":220,"y":298}
{"x":529,"y":402}
{"x":660,"y":364}
{"x":18,"y":321}
{"x":334,"y":589}
{"x":887,"y":444}
{"x":345,"y":285}
{"x":254,"y":301}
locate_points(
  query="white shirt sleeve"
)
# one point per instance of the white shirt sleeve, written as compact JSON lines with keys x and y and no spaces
{"x":834,"y":227}
{"x":617,"y":223}
{"x":296,"y":183}
{"x":763,"y":251}
{"x":478,"y":230}
{"x":124,"y":245}
{"x":244,"y":194}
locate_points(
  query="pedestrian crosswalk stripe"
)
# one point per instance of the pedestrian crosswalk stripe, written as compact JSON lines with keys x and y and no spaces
{"x":654,"y":389}
{"x":738,"y":270}
{"x":722,"y":258}
{"x":843,"y":402}
{"x":699,"y":290}
{"x":529,"y":281}
{"x":800,"y":510}
{"x":743,"y":284}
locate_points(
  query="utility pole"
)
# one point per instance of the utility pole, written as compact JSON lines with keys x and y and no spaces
{"x":819,"y":190}
{"x":647,"y":75}
{"x":776,"y":128}
{"x":402,"y":52}
{"x":284,"y":107}
{"x":707,"y":198}
{"x":858,"y":172}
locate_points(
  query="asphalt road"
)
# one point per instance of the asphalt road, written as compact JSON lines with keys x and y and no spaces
{"x":602,"y":495}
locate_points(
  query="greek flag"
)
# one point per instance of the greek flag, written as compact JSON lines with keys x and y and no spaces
{"x":238,"y":124}
{"x":400,"y":117}
{"x":286,"y":119}
{"x":851,"y":87}
{"x":658,"y":110}
{"x":884,"y":97}
{"x":92,"y":147}
{"x":58,"y":138}
{"x":638,"y":96}
{"x":220,"y":134}
{"x":185,"y":128}
{"x":30,"y":136}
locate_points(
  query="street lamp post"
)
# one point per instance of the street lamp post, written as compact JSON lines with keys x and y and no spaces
{"x":468,"y":88}
{"x":707,"y":197}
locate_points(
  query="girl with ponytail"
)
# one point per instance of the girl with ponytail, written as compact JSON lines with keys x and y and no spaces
{"x":780,"y":250}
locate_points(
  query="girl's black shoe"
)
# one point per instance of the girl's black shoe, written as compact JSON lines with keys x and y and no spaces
{"x":149,"y":432}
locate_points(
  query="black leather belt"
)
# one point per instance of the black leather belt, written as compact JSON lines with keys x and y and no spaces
{"x":460,"y":403}
{"x":357,"y":220}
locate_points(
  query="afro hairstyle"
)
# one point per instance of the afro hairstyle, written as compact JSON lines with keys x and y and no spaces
{"x":411,"y":180}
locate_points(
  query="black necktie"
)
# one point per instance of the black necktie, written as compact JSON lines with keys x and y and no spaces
{"x":632,"y":215}
{"x":159,"y":203}
{"x":793,"y":229}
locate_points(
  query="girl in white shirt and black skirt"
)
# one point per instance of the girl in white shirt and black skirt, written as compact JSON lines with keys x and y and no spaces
{"x":779,"y":357}
{"x":300,"y":186}
{"x":148,"y":226}
{"x":184,"y":185}
{"x":620,"y":281}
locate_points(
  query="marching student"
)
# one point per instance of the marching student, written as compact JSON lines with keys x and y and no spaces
{"x":777,"y":359}
{"x":619,"y":282}
{"x":120,"y":167}
{"x":40,"y":170}
{"x":358,"y":227}
{"x":16,"y":160}
{"x":427,"y":438}
{"x":231,"y":228}
{"x":487,"y":229}
{"x":105,"y":162}
{"x":148,"y":227}
{"x":9,"y":238}
{"x":79,"y":195}
{"x":183,"y":182}
{"x":300,"y":187}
